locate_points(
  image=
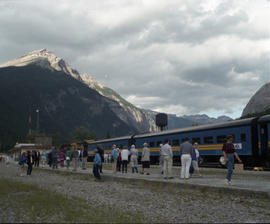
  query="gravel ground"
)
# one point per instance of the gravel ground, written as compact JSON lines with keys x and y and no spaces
{"x":155,"y":203}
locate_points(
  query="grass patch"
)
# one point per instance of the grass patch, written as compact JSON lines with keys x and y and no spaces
{"x":28,"y":203}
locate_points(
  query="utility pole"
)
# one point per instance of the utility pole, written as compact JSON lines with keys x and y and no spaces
{"x":37,"y":121}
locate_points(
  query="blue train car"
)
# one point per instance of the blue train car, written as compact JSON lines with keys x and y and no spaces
{"x":251,"y":140}
{"x":209,"y":137}
{"x":264,"y":139}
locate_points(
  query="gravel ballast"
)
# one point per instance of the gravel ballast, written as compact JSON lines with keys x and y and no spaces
{"x":155,"y":203}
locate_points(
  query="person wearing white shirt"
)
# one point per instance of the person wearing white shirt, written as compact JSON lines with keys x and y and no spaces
{"x":166,"y":152}
{"x":124,"y":156}
{"x":134,"y":159}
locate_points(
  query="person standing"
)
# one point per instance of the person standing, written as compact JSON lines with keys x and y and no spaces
{"x":54,"y":159}
{"x":114,"y":158}
{"x":195,"y":159}
{"x":43,"y":158}
{"x":22,"y":160}
{"x":37,"y":158}
{"x":229,"y":153}
{"x":166,"y":151}
{"x":29,"y":162}
{"x":79,"y":157}
{"x":185,"y":153}
{"x":96,"y":165}
{"x":75,"y":156}
{"x":119,"y":161}
{"x":134,"y":158}
{"x":101,"y":153}
{"x":161,"y":160}
{"x":84,"y":156}
{"x":124,"y":156}
{"x":62,"y":158}
{"x":145,"y":159}
{"x":7,"y":160}
{"x":34,"y":153}
{"x":68,"y":157}
{"x":50,"y":161}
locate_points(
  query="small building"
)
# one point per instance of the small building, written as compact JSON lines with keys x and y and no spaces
{"x":24,"y":147}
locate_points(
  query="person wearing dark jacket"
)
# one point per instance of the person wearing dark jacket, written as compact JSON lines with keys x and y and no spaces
{"x":229,"y":153}
{"x":50,"y":159}
{"x":84,"y":156}
{"x":101,"y":153}
{"x":37,"y":158}
{"x":119,"y":161}
{"x":54,"y":158}
{"x":29,"y":162}
{"x":97,"y":164}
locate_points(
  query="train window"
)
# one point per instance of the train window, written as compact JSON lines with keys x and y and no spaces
{"x":243,"y":137}
{"x":208,"y":140}
{"x":175,"y":142}
{"x":221,"y":139}
{"x":198,"y":140}
{"x":151,"y":144}
{"x":158,"y":143}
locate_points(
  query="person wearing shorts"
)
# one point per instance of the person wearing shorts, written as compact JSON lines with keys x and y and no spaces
{"x":145,"y":159}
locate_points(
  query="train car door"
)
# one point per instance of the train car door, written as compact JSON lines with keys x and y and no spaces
{"x":264,"y":141}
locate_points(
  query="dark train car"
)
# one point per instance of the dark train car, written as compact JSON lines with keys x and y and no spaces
{"x":264,"y":139}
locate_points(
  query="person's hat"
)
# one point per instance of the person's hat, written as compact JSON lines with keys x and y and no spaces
{"x":145,"y":144}
{"x":222,"y":160}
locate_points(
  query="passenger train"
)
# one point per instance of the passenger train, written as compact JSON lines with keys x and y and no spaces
{"x":251,"y":141}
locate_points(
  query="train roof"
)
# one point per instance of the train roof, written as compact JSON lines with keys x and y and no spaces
{"x":201,"y":127}
{"x":111,"y":139}
{"x":264,"y":118}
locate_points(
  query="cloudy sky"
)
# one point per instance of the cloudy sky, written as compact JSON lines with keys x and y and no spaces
{"x":182,"y":57}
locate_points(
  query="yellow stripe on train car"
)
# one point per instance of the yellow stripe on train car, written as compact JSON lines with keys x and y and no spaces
{"x":175,"y":148}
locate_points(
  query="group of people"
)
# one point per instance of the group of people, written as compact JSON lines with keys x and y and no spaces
{"x":189,"y":159}
{"x":121,"y":156}
{"x":65,"y":156}
{"x":189,"y":155}
{"x":55,"y":157}
{"x":31,"y":158}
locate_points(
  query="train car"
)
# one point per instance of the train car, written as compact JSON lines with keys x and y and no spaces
{"x":210,"y":139}
{"x":264,"y":139}
{"x":251,"y":140}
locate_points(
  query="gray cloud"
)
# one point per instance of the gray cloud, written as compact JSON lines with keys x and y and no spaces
{"x":180,"y":57}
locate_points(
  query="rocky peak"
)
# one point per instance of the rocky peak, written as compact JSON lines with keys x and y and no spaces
{"x":259,"y":102}
{"x":45,"y":59}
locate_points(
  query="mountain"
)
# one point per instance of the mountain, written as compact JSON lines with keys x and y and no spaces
{"x":65,"y":99}
{"x":259,"y":102}
{"x":129,"y":113}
